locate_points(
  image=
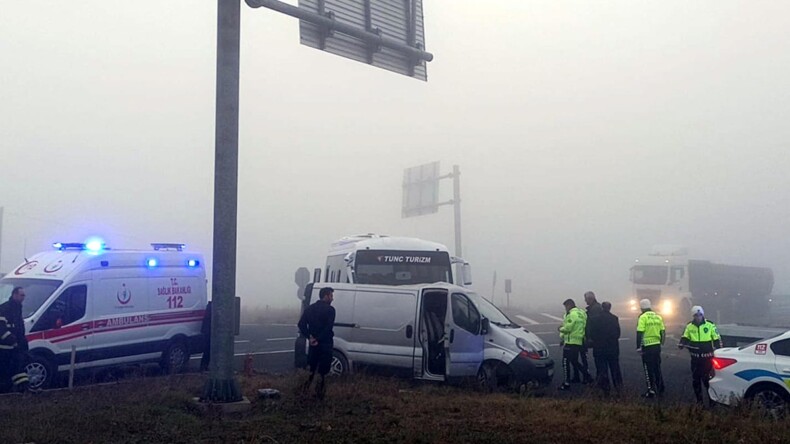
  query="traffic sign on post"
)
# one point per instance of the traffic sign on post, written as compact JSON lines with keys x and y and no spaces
{"x":421,"y":190}
{"x":388,"y":34}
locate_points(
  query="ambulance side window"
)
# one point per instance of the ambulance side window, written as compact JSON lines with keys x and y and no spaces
{"x":68,"y":308}
{"x":781,"y":348}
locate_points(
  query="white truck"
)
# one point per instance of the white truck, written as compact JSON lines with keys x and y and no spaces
{"x":737,"y":298}
{"x":114,"y":307}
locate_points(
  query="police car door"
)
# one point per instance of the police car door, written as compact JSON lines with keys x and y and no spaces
{"x":781,"y":350}
{"x":464,"y":342}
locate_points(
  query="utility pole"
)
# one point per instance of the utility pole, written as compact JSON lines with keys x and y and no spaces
{"x":222,"y":386}
{"x":457,"y":217}
{"x":1,"y":240}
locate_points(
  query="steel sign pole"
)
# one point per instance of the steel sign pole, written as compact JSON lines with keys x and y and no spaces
{"x":457,"y":211}
{"x":221,"y":386}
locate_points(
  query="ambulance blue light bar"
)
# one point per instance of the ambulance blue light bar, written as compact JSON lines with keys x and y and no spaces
{"x":168,"y":246}
{"x":151,"y":263}
{"x":94,"y":246}
{"x":192,"y":263}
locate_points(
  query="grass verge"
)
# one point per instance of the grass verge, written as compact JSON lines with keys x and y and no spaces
{"x":361,"y":409}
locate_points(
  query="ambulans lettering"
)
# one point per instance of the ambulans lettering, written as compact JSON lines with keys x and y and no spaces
{"x":127,"y":320}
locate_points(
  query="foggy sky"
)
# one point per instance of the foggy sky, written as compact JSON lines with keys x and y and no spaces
{"x":586,"y":132}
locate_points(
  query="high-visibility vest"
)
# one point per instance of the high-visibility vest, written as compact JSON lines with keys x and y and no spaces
{"x":573,"y":326}
{"x":651,"y":325}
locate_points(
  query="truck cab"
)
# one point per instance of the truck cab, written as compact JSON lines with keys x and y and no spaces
{"x":662,"y":277}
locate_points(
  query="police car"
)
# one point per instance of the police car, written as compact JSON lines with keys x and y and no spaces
{"x":759,"y":372}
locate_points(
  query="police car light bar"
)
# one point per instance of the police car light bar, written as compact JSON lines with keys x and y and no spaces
{"x":167,"y":246}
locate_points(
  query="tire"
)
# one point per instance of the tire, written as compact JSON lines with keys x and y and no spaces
{"x":175,"y":357}
{"x":41,"y":372}
{"x":771,"y":400}
{"x":339,"y":366}
{"x":487,"y":378}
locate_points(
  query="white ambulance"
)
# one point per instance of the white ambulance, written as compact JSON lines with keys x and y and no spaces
{"x":115,"y":306}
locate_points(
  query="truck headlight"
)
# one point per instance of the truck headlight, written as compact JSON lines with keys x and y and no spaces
{"x":667,"y":307}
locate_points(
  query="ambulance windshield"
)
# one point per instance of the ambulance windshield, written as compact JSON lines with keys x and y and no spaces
{"x":37,"y":291}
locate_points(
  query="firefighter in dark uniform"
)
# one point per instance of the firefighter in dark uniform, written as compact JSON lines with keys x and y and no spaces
{"x":13,"y":343}
{"x":317,"y":324}
{"x":700,"y":337}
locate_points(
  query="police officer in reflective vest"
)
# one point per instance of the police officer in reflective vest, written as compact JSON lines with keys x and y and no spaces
{"x":572,"y":333}
{"x":650,"y":335}
{"x":700,"y":337}
{"x":13,"y":343}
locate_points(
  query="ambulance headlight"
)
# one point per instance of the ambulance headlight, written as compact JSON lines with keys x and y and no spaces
{"x":151,"y":263}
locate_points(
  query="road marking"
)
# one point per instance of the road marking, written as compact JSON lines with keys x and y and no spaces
{"x":527,"y":320}
{"x":280,"y":339}
{"x":254,"y":354}
{"x":551,"y":317}
{"x":242,"y":341}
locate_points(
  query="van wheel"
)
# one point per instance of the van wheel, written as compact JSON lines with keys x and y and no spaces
{"x":487,"y":378}
{"x":175,"y":357}
{"x":40,"y":372}
{"x":339,"y":365}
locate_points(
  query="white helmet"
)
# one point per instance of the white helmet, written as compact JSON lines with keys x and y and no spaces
{"x":697,"y":310}
{"x":645,"y":304}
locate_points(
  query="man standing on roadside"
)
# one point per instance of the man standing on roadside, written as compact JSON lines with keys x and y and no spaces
{"x":607,"y":349}
{"x":701,"y":337}
{"x":13,"y":343}
{"x":317,"y":324}
{"x":572,"y":334}
{"x":594,"y":312}
{"x":650,"y":335}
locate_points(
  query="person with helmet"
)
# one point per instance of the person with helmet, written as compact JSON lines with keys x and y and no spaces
{"x":572,"y":333}
{"x":650,"y":335}
{"x":700,"y":338}
{"x":13,"y":343}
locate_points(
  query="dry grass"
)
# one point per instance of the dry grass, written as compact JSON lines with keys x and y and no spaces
{"x":361,"y":409}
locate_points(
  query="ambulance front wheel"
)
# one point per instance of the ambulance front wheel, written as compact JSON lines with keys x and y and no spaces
{"x":40,"y":371}
{"x":175,"y":357}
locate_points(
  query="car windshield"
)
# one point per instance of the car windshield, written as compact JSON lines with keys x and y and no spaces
{"x":37,"y":291}
{"x":650,"y":274}
{"x":490,"y":311}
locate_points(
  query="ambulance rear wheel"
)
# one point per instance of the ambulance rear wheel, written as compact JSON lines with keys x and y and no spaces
{"x":175,"y":357}
{"x":41,"y":372}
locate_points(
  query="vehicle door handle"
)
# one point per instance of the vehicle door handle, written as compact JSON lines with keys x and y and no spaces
{"x":452,"y":335}
{"x":786,"y":370}
{"x":409,"y":331}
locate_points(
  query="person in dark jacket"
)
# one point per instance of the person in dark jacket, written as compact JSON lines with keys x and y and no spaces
{"x":205,"y":331}
{"x":593,"y":314}
{"x":607,"y":349}
{"x":13,"y":343}
{"x":316,"y":324}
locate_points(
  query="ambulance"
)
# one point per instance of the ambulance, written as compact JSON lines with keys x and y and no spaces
{"x":112,"y":307}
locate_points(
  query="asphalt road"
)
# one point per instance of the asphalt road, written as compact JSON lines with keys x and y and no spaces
{"x":272,"y":349}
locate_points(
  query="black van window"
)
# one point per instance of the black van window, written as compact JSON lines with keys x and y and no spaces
{"x":68,"y":308}
{"x":465,"y":314}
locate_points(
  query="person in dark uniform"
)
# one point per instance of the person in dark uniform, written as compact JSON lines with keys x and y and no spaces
{"x":316,"y":325}
{"x":13,"y":344}
{"x":606,"y":349}
{"x":594,"y":311}
{"x":205,"y":330}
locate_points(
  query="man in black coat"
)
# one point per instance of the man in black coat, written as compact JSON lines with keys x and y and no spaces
{"x":606,"y":349}
{"x":13,"y":343}
{"x":317,"y":324}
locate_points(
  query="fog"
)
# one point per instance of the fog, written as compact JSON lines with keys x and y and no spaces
{"x":585,"y":132}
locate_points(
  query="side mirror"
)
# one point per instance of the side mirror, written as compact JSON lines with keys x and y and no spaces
{"x":467,"y":274}
{"x":485,"y":326}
